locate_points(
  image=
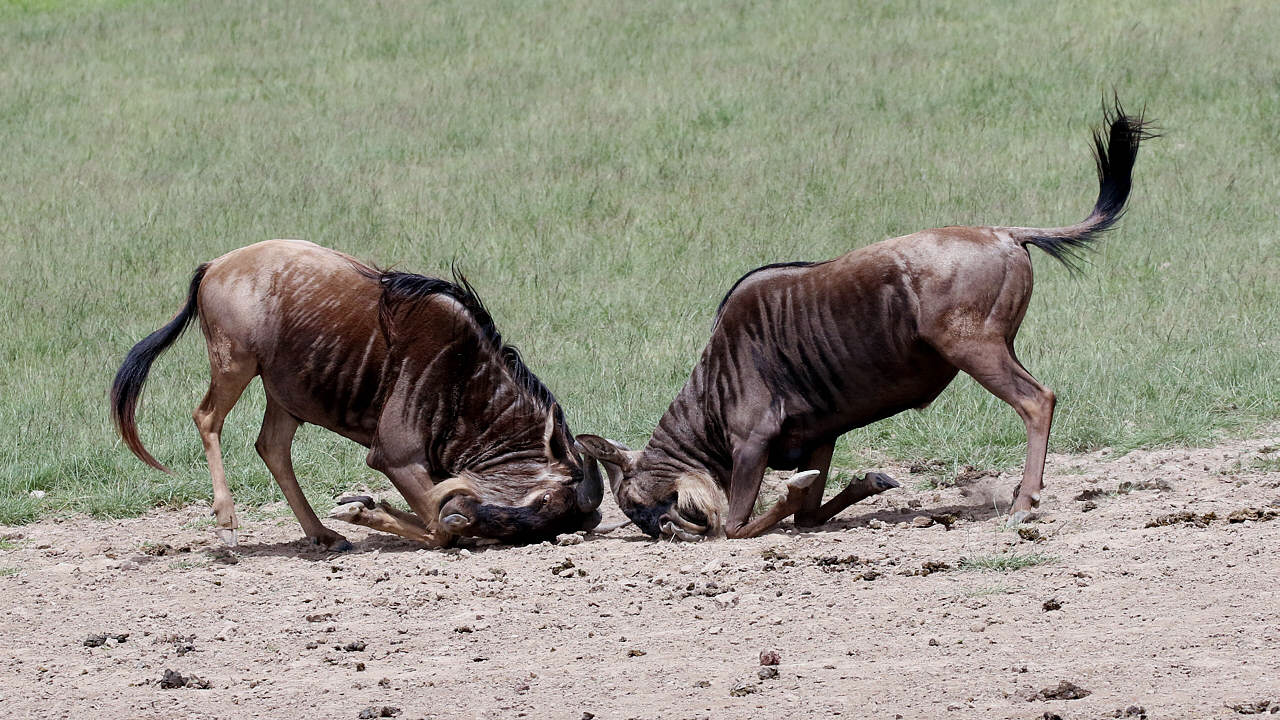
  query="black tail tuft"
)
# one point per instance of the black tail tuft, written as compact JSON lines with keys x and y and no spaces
{"x":127,"y":388}
{"x":1115,"y":156}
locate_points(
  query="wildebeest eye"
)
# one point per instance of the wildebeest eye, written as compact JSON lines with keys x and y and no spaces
{"x":546,"y":498}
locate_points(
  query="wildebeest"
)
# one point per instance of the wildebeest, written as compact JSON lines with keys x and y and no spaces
{"x":801,"y":353}
{"x":411,"y":367}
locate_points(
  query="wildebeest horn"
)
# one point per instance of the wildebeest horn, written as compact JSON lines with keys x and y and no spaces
{"x":591,"y":489}
{"x":441,"y":493}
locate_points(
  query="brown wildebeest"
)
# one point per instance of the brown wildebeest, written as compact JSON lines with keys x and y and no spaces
{"x":801,"y":353}
{"x":411,"y":367}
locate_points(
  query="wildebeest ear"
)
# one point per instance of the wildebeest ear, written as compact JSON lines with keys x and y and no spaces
{"x":551,"y":443}
{"x":606,"y":451}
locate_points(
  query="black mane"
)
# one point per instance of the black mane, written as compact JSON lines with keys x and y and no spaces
{"x":400,"y":287}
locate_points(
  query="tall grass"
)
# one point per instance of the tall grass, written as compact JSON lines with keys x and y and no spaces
{"x":603,"y":172}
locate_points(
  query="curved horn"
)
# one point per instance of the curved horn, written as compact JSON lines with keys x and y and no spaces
{"x":591,"y":489}
{"x":439,"y":494}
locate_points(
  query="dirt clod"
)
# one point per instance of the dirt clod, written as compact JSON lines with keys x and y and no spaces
{"x":767,"y":672}
{"x":378,"y":712}
{"x":173,"y":679}
{"x":1257,"y":707}
{"x":353,"y":646}
{"x":1051,"y":604}
{"x":100,"y":639}
{"x":1254,"y":514}
{"x":1184,"y":517}
{"x":1030,"y":534}
{"x":1065,"y":690}
{"x":1133,"y":711}
{"x":770,"y":657}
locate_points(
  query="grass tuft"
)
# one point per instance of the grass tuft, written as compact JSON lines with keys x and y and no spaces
{"x":1006,"y":562}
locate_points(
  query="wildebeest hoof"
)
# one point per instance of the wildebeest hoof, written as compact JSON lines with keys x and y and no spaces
{"x":362,"y":499}
{"x":228,"y":536}
{"x":880,"y":482}
{"x":670,"y":530}
{"x":348,"y":510}
{"x":1017,"y":518}
{"x":332,"y":542}
{"x":804,"y":480}
{"x":456,"y":522}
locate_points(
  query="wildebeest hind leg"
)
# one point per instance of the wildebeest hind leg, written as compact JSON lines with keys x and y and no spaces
{"x":994,"y":365}
{"x":275,"y":443}
{"x":230,"y":372}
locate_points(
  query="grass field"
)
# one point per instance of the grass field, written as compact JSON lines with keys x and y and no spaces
{"x":603,"y":172}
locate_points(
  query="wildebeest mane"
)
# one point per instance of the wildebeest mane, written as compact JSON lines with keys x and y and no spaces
{"x":762,"y":268}
{"x":401,"y":287}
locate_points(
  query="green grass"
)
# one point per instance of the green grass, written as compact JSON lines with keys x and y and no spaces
{"x":1005,"y":562}
{"x":603,"y":172}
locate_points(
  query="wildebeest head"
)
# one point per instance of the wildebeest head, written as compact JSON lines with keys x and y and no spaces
{"x":662,"y":502}
{"x":524,"y":498}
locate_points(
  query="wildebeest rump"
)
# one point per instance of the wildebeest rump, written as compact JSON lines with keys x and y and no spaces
{"x":411,"y":367}
{"x":801,"y":353}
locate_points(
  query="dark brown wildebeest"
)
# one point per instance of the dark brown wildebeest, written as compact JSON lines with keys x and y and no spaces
{"x":411,"y":367}
{"x":801,"y":353}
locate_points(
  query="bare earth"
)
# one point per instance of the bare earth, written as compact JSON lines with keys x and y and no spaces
{"x":871,"y":617}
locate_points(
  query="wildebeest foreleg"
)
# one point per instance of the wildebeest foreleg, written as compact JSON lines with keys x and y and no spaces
{"x":820,"y":460}
{"x":383,"y":517}
{"x":230,"y":372}
{"x":744,"y":485}
{"x":996,"y":368}
{"x":275,"y":443}
{"x":798,"y":488}
{"x":873,"y":483}
{"x":414,"y":485}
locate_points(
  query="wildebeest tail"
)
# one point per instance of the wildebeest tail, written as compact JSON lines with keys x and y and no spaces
{"x":127,"y":388}
{"x":1114,"y":156}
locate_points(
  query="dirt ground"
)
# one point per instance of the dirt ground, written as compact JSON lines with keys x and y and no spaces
{"x":872,"y":616}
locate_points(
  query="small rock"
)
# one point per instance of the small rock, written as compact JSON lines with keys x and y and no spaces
{"x":588,"y":716}
{"x":378,"y":712}
{"x":568,"y":540}
{"x":770,"y":657}
{"x":767,"y":672}
{"x":128,"y":565}
{"x":636,"y":653}
{"x":876,"y":524}
{"x":354,"y":646}
{"x":726,"y":600}
{"x":921,"y":521}
{"x":1051,"y":604}
{"x":1133,"y":711}
{"x":702,"y":684}
{"x":37,"y":494}
{"x":744,"y":688}
{"x":978,"y":627}
{"x":464,"y":553}
{"x":228,"y":629}
{"x":1088,"y":505}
